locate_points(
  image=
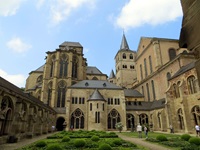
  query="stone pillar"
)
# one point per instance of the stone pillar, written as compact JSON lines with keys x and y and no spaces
{"x":157,"y":54}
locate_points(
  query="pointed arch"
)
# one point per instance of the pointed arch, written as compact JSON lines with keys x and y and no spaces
{"x":113,"y":118}
{"x":77,"y":119}
{"x":61,"y":94}
{"x":130,"y":121}
{"x":143,"y":119}
{"x":180,"y":119}
{"x":196,"y":114}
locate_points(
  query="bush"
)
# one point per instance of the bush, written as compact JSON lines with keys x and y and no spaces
{"x":105,"y":147}
{"x":54,"y":147}
{"x":41,"y":144}
{"x":66,"y":139}
{"x":95,"y":138}
{"x":194,"y":140}
{"x":79,"y":143}
{"x":119,"y":126}
{"x":185,"y":137}
{"x":191,"y":147}
{"x":117,"y":142}
{"x":161,"y":138}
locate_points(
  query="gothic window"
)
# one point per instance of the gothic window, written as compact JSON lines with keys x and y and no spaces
{"x":178,"y":89}
{"x":124,"y":66}
{"x":63,"y":66}
{"x":132,"y":67}
{"x":150,"y":64}
{"x":131,"y":56}
{"x":145,"y":67}
{"x":172,"y":53}
{"x":6,"y":110}
{"x":175,"y":90}
{"x":196,"y":114}
{"x":113,"y":118}
{"x":143,"y":119}
{"x":130,"y":121}
{"x":148,"y":94}
{"x":95,"y":78}
{"x":103,"y":107}
{"x":168,"y":77}
{"x":180,"y":119}
{"x":49,"y":94}
{"x":191,"y":85}
{"x":141,"y":73}
{"x":51,"y":69}
{"x":153,"y":90}
{"x":97,"y":117}
{"x":77,"y":119}
{"x":108,"y":101}
{"x":124,"y":56}
{"x":74,"y":67}
{"x":61,"y":94}
{"x":39,"y":79}
{"x":90,"y":106}
{"x":73,"y":100}
{"x":142,"y":90}
{"x":159,"y":120}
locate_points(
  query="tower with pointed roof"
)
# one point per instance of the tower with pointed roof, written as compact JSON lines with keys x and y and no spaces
{"x":125,"y":65}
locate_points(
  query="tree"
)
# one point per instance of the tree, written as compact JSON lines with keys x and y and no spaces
{"x":119,"y":126}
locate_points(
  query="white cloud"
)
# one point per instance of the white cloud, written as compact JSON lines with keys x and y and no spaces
{"x":154,"y":12}
{"x":9,"y":7}
{"x":18,"y":79}
{"x":17,"y":45}
{"x":62,"y":9}
{"x":40,"y":3}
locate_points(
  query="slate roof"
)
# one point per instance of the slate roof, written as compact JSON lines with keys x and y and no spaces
{"x":73,"y":44}
{"x":96,"y":95}
{"x":95,"y":84}
{"x":40,"y":69}
{"x":183,"y":70}
{"x":14,"y":89}
{"x":146,"y":106}
{"x":124,"y":43}
{"x":132,"y":93}
{"x":93,"y":70}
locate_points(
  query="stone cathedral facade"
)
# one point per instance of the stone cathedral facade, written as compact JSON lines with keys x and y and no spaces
{"x":157,"y":85}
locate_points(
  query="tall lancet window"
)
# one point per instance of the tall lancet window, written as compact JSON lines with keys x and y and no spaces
{"x":74,"y":67}
{"x":61,"y":94}
{"x":63,"y":66}
{"x":52,"y":65}
{"x":49,"y":94}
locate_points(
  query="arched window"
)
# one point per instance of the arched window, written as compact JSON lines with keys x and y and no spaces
{"x":150,"y":64}
{"x":52,"y":65}
{"x":61,"y":94}
{"x":124,"y":56}
{"x":74,"y":67}
{"x":113,"y":118}
{"x":143,"y":119}
{"x":148,"y":94}
{"x":6,"y":120}
{"x":141,"y":73}
{"x":172,"y":53}
{"x":97,"y":117}
{"x":63,"y":66}
{"x":168,"y":77}
{"x":130,"y":121}
{"x":145,"y":67}
{"x":132,"y":67}
{"x":49,"y":94}
{"x":153,"y":90}
{"x":131,"y":56}
{"x":95,"y":78}
{"x":77,"y":119}
{"x":159,"y":120}
{"x":195,"y":113}
{"x":180,"y":119}
{"x":39,"y":79}
{"x":191,"y":85}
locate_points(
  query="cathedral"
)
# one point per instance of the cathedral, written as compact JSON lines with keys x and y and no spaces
{"x":156,"y":85}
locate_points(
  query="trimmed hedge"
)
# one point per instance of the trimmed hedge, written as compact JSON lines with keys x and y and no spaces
{"x":161,"y":138}
{"x":54,"y":147}
{"x":105,"y":147}
{"x":185,"y":137}
{"x":95,"y":138}
{"x":41,"y":144}
{"x":66,"y":139}
{"x":194,"y":140}
{"x":79,"y":143}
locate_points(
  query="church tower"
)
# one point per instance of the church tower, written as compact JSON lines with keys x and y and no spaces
{"x":64,"y":67}
{"x":125,"y":65}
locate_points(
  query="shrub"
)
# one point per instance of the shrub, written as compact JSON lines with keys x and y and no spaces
{"x":117,"y":142}
{"x":54,"y":147}
{"x":119,"y":126}
{"x":191,"y":147}
{"x":185,"y":137}
{"x":66,"y":139}
{"x":161,"y":138}
{"x":95,"y":138}
{"x":41,"y":144}
{"x":194,"y":140}
{"x":105,"y":147}
{"x":79,"y":143}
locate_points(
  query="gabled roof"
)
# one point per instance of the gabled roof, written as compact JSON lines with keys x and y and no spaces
{"x":183,"y":70}
{"x":112,"y":74}
{"x":132,"y":93}
{"x":96,"y":95}
{"x":93,"y":70}
{"x":95,"y":84}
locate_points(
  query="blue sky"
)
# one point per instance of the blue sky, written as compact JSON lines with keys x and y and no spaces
{"x":30,"y":28}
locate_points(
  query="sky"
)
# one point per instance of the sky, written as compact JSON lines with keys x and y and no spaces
{"x":30,"y":28}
